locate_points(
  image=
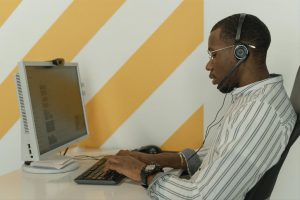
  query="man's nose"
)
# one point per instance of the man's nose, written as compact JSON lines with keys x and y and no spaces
{"x":208,"y":66}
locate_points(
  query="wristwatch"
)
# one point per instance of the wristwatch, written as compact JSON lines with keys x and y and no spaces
{"x":149,"y":170}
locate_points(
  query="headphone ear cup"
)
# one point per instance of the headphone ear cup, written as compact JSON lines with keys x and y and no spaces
{"x":241,"y":52}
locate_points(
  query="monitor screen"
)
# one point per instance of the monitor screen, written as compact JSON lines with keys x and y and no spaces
{"x":56,"y":105}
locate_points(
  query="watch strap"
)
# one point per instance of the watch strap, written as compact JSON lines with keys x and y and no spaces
{"x":145,"y":174}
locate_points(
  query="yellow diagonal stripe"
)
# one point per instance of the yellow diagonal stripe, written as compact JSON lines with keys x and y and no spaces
{"x":66,"y":37}
{"x":6,"y":8}
{"x":156,"y":59}
{"x":189,"y":135}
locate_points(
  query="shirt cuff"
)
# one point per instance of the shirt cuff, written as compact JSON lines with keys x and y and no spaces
{"x":192,"y":160}
{"x":167,"y":171}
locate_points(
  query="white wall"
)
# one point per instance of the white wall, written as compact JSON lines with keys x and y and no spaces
{"x":187,"y":88}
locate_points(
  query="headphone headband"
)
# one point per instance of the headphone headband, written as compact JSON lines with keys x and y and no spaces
{"x":239,"y":28}
{"x":241,"y":50}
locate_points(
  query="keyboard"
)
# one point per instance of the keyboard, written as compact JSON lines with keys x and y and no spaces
{"x":95,"y":175}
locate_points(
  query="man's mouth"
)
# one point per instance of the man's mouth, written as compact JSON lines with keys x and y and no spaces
{"x":214,"y":80}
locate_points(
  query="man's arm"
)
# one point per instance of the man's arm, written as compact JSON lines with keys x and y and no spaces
{"x":188,"y":159}
{"x":172,"y":160}
{"x":244,"y":151}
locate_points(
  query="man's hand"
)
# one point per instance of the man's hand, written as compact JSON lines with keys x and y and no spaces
{"x":143,"y":157}
{"x":163,"y":159}
{"x":126,"y":165}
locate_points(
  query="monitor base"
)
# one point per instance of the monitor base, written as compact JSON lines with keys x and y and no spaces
{"x":50,"y":166}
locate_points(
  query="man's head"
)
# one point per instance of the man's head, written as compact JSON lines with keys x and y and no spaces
{"x":223,"y":35}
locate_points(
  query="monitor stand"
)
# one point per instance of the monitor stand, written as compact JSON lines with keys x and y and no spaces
{"x":60,"y":164}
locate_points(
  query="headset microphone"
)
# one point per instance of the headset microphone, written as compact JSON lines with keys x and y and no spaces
{"x":222,"y":85}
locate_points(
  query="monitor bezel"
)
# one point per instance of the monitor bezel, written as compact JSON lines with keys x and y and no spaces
{"x":32,"y":137}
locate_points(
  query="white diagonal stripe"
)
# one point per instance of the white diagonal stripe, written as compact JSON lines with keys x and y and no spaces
{"x":10,"y":148}
{"x":24,"y":28}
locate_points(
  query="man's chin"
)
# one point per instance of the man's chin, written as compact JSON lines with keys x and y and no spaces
{"x":225,"y":89}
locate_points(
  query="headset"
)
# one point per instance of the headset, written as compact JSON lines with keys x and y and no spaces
{"x":241,"y":53}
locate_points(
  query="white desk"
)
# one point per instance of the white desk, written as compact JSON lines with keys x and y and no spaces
{"x":20,"y":185}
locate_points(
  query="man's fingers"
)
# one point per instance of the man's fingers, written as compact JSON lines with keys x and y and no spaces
{"x":109,"y":165}
{"x":108,"y":157}
{"x":123,"y":153}
{"x":112,"y":162}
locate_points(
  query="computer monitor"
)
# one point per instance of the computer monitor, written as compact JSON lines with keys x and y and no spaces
{"x":52,"y":114}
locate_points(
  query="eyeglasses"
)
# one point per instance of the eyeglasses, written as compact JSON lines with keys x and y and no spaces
{"x":210,"y":53}
{"x":211,"y":56}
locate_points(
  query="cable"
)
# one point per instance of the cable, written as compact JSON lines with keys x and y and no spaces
{"x":211,"y":124}
{"x":86,"y":157}
{"x":66,"y":150}
{"x":209,"y":127}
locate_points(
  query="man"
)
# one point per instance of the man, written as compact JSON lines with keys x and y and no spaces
{"x":251,"y":136}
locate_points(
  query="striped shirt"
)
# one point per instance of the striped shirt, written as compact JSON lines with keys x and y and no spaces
{"x":250,"y":139}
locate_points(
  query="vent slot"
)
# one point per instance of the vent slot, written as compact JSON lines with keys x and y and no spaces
{"x":22,"y":105}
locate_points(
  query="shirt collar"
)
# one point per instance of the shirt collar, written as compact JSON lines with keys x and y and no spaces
{"x":273,"y":78}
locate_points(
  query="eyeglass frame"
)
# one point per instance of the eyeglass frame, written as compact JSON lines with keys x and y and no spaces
{"x":221,"y":49}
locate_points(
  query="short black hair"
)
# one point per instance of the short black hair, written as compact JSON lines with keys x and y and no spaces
{"x":254,"y":32}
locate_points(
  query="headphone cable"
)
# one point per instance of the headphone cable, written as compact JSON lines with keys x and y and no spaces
{"x":211,"y":125}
